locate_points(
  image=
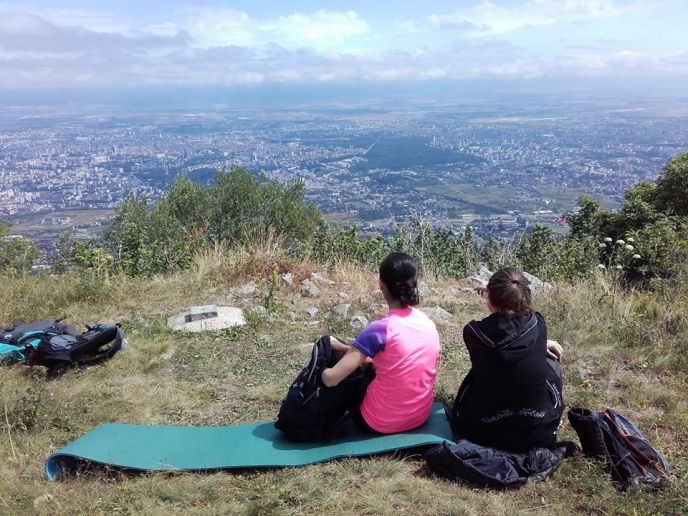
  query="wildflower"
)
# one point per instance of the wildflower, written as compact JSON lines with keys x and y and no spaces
{"x":618,"y":267}
{"x":636,"y":257}
{"x":620,"y":242}
{"x":602,"y":245}
{"x":628,"y":247}
{"x":607,"y":239}
{"x":630,"y":240}
{"x":601,"y":266}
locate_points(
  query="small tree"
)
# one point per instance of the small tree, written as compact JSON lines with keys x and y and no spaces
{"x":244,"y":208}
{"x":17,"y":254}
{"x":72,"y":253}
{"x":672,"y":183}
{"x":537,"y":250}
{"x":591,"y":220}
{"x":156,"y":237}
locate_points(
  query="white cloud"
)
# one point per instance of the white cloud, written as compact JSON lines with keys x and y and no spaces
{"x":273,"y":63}
{"x":225,"y":46}
{"x":407,"y":27}
{"x":321,"y":30}
{"x":22,"y":33}
{"x":91,"y":20}
{"x":623,"y":64}
{"x":490,"y":18}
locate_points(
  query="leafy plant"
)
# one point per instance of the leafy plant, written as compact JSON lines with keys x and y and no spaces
{"x":148,"y":238}
{"x":17,"y":254}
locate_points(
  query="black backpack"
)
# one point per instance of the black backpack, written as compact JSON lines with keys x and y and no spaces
{"x":630,"y":458}
{"x":59,"y":347}
{"x":313,"y":412}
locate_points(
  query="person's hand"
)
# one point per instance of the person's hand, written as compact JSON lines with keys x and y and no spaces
{"x":480,"y":286}
{"x":481,"y":290}
{"x":554,"y":350}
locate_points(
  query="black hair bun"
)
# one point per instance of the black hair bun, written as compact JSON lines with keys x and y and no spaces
{"x":407,"y":292}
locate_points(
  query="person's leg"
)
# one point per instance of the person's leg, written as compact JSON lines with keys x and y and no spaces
{"x":361,"y":423}
{"x":555,"y":387}
{"x":356,"y":415}
{"x":555,"y":365}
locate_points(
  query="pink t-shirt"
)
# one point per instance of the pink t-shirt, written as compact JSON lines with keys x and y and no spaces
{"x":405,"y":347}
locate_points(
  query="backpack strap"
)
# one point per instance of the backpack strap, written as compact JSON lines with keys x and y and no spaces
{"x":649,"y":460}
{"x":82,"y":354}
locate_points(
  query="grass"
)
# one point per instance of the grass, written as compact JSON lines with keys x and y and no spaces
{"x":623,"y":350}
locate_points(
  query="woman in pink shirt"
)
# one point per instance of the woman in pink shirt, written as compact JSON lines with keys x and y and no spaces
{"x":403,"y":346}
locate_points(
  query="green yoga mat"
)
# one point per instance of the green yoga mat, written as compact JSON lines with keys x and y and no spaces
{"x":257,"y":445}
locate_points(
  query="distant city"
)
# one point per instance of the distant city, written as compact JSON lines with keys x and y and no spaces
{"x":499,"y":166}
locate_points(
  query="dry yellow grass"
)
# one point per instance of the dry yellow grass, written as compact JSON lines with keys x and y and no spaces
{"x":629,"y":354}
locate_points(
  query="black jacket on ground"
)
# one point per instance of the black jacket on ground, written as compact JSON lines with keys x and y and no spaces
{"x":511,"y":397}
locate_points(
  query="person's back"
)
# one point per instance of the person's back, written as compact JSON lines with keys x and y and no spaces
{"x":508,"y":405}
{"x":400,"y":397}
{"x":511,"y":398}
{"x":403,"y":347}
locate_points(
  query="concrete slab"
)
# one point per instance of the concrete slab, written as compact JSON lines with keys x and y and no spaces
{"x":227,"y":316}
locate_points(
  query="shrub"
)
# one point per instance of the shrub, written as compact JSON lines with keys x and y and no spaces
{"x":17,"y":254}
{"x":238,"y":209}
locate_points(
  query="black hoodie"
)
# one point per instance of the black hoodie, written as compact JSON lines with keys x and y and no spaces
{"x":511,"y":398}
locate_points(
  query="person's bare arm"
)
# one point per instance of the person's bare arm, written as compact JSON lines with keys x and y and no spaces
{"x":331,"y":376}
{"x":338,"y":346}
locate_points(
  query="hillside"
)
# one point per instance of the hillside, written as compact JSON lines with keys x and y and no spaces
{"x":622,"y":350}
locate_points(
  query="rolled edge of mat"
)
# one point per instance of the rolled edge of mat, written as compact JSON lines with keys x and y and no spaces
{"x":58,"y":463}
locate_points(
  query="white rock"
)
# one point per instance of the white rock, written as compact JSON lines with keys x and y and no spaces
{"x":309,"y":289}
{"x":358,"y":322}
{"x":424,"y":289}
{"x":455,"y":290}
{"x":227,"y":317}
{"x":341,"y":310}
{"x":437,"y":314}
{"x":321,"y":280}
{"x":245,"y":291}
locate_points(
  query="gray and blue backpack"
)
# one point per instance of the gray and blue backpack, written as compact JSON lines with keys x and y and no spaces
{"x":58,"y":346}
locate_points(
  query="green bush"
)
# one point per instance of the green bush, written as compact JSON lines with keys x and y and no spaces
{"x":17,"y":254}
{"x":655,"y":219}
{"x":238,"y":209}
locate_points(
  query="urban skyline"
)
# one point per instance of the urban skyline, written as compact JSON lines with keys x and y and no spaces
{"x":500,"y":165}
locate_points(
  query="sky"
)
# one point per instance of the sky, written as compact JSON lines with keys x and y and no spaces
{"x":102,"y":43}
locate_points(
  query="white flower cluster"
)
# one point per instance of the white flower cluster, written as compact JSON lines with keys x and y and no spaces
{"x":618,"y":255}
{"x":625,"y":243}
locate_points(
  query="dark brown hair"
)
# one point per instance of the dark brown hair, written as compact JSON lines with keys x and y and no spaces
{"x":399,"y":273}
{"x":508,"y":291}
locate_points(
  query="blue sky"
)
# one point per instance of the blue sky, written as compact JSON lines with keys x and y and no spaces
{"x":140,"y":43}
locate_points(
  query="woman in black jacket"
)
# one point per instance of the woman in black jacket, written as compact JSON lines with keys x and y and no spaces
{"x":511,"y":398}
